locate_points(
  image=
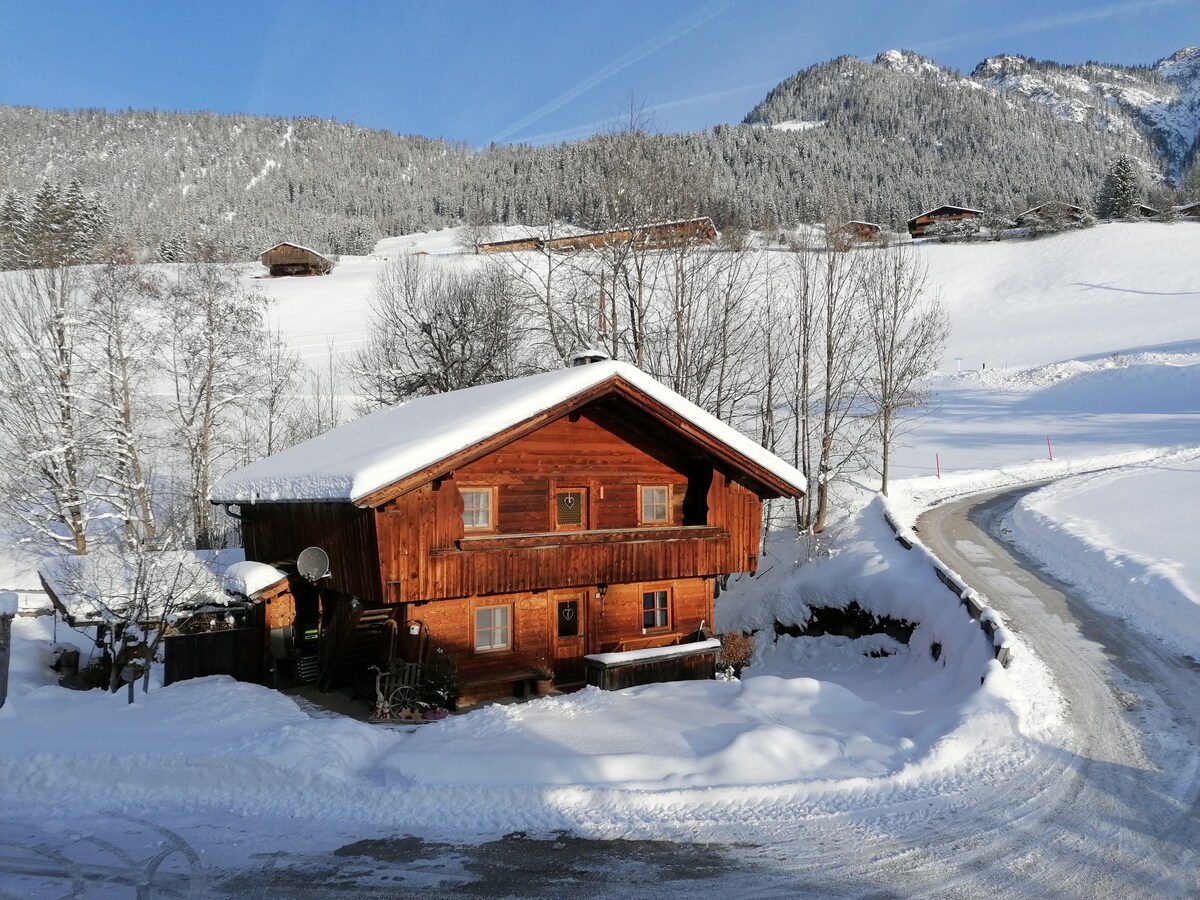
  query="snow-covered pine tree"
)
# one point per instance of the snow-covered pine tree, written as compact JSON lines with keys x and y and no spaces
{"x":1121,"y":190}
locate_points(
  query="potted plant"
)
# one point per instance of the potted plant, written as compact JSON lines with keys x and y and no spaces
{"x":543,"y":680}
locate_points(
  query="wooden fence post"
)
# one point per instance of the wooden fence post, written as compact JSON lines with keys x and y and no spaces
{"x":8,"y":609}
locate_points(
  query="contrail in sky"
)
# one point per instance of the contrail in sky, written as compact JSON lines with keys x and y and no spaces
{"x":589,"y":128}
{"x":640,"y":52}
{"x":1048,"y":22}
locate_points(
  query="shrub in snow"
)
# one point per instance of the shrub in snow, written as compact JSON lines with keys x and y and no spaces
{"x":737,"y":651}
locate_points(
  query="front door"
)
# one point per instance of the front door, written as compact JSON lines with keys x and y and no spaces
{"x":569,"y":635}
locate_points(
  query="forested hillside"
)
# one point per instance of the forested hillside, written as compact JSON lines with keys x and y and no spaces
{"x":878,"y":141}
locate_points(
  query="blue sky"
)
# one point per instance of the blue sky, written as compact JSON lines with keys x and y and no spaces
{"x":522,"y":71}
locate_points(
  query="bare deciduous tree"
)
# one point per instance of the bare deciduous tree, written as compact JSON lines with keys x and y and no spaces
{"x":136,"y":591}
{"x":123,"y":334}
{"x":434,"y":330}
{"x":47,"y":443}
{"x":216,"y":337}
{"x":908,"y":329}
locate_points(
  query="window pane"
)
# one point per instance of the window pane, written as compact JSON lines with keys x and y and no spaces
{"x":655,"y":504}
{"x":491,"y":628}
{"x":477,"y":509}
{"x":655,"y":610}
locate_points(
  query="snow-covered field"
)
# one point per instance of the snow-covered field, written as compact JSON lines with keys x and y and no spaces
{"x":1091,"y":340}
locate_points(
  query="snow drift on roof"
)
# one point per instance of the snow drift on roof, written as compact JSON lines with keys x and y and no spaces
{"x":379,"y":449}
{"x":104,"y":584}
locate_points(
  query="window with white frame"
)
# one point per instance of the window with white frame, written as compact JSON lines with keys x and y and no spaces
{"x":493,"y":628}
{"x":654,"y":506}
{"x":479,"y":505}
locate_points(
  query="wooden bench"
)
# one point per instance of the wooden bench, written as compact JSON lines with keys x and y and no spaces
{"x":514,"y":683}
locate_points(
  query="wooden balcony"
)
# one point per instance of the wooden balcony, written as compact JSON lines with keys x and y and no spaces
{"x":506,"y":563}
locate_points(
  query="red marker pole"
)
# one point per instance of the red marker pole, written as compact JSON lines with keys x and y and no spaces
{"x":1049,"y":449}
{"x":937,"y":460}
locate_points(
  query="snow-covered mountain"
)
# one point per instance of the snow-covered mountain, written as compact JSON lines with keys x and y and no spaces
{"x":1161,"y":102}
{"x":877,"y":140}
{"x":1151,"y":111}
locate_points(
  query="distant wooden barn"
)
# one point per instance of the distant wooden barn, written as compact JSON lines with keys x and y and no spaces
{"x":1053,"y":211}
{"x":918,"y":225}
{"x":657,"y":236}
{"x":1146,"y":211}
{"x":859,"y":232}
{"x":292,"y":259}
{"x":515,"y":245}
{"x":1189,"y":210}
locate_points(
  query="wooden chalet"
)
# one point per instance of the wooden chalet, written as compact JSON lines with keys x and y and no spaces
{"x":856,"y":232}
{"x":534,"y":522}
{"x":292,"y":259}
{"x":1189,"y":210}
{"x":514,"y":245}
{"x":1145,"y":211}
{"x":1053,"y":211}
{"x":919,"y":224}
{"x":657,"y":236}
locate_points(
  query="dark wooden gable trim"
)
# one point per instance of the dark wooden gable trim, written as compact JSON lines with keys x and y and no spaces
{"x":764,"y":482}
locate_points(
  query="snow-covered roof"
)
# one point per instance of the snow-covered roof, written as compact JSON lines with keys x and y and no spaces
{"x":370,"y":453}
{"x":946,"y":206}
{"x":1056,"y":204}
{"x":290,"y":244}
{"x":248,"y":577}
{"x":105,"y":584}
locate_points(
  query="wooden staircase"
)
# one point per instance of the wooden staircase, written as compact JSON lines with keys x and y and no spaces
{"x":354,"y":638}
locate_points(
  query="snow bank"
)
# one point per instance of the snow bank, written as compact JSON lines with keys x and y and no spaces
{"x":1128,"y":540}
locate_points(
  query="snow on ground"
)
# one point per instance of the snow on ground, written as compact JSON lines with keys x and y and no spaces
{"x":816,"y":718}
{"x":1129,"y":538}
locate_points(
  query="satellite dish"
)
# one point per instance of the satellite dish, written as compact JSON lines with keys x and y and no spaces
{"x":313,"y":563}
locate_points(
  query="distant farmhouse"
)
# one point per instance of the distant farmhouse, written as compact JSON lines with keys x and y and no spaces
{"x":918,"y":225}
{"x":292,"y":259}
{"x":859,"y":232}
{"x":657,"y":236}
{"x":1053,"y":211}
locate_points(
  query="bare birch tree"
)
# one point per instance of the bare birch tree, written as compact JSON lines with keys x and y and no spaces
{"x":216,"y":335}
{"x":908,"y":329}
{"x":122,"y":332}
{"x":47,"y":443}
{"x":826,"y":343}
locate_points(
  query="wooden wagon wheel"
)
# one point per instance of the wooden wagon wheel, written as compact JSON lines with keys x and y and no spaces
{"x":402,"y":697}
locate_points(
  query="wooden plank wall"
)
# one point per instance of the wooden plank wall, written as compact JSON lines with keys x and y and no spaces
{"x":617,"y":619}
{"x":613,"y":623}
{"x":451,"y":624}
{"x":565,"y":453}
{"x":277,"y":532}
{"x":578,"y":453}
{"x":239,"y":652}
{"x":289,"y":255}
{"x":738,"y":510}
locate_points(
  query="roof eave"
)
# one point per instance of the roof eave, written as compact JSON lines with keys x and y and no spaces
{"x":772,"y":484}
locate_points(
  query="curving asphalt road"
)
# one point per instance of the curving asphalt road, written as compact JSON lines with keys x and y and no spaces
{"x":1116,"y":809}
